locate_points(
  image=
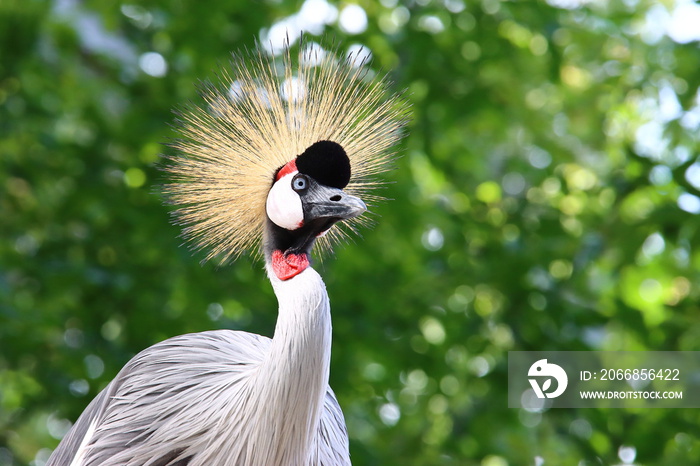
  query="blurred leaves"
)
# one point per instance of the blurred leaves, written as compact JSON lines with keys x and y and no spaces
{"x":547,"y":199}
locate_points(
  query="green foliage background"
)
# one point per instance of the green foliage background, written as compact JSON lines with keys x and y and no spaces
{"x":546,"y":200}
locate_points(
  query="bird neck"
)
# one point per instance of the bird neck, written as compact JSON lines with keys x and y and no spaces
{"x":294,"y":374}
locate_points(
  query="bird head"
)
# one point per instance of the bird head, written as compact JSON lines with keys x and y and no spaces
{"x":305,"y":201}
{"x":282,"y":150}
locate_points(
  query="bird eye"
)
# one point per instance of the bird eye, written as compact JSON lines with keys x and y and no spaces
{"x":299,"y":183}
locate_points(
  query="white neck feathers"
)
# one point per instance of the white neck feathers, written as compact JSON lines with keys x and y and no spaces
{"x":293,"y":377}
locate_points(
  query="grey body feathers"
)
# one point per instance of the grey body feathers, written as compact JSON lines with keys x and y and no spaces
{"x":209,"y":373}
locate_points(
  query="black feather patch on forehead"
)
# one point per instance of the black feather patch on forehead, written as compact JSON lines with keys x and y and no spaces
{"x":325,"y":162}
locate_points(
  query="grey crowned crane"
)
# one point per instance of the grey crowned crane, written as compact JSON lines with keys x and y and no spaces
{"x":281,"y":151}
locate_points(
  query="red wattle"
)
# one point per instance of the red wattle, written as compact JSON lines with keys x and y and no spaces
{"x":288,"y":266}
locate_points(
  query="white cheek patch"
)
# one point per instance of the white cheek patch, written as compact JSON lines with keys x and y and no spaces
{"x":284,"y":204}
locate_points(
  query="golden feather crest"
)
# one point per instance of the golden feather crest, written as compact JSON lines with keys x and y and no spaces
{"x":263,"y":113}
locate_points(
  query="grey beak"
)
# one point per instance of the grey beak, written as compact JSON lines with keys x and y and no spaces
{"x":331,"y":203}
